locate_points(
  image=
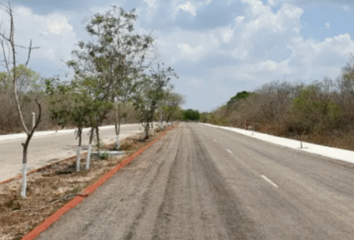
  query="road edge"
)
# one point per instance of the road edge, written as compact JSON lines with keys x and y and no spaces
{"x":336,"y":154}
{"x":85,"y":193}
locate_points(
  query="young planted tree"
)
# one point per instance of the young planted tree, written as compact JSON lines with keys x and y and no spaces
{"x":93,"y":85}
{"x":9,"y":50}
{"x":150,"y":91}
{"x":117,"y":55}
{"x":68,"y":107}
{"x":75,"y":103}
{"x":170,"y":106}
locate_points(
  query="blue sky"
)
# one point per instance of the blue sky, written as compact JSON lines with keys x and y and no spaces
{"x":217,"y":47}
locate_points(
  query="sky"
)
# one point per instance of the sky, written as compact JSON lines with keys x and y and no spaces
{"x":217,"y":47}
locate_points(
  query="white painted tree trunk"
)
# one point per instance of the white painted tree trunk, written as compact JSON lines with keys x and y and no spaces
{"x":78,"y":159}
{"x":117,"y":142}
{"x":24,"y":180}
{"x":88,"y":159}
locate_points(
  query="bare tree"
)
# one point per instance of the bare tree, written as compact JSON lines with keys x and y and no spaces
{"x":9,"y":49}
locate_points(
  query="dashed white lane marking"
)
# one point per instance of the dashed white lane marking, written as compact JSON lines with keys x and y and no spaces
{"x":228,"y":150}
{"x":269,"y":181}
{"x":214,"y":140}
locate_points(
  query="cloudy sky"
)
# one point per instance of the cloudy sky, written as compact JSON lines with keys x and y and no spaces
{"x":217,"y":47}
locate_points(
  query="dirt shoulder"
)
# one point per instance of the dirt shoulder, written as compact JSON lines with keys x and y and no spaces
{"x":51,"y":188}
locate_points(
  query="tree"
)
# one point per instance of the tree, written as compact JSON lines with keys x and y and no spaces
{"x":76,"y":103}
{"x":191,"y":115}
{"x":314,"y":109}
{"x":116,"y":55}
{"x":237,"y":97}
{"x":151,"y":90}
{"x":9,"y":49}
{"x":170,"y":106}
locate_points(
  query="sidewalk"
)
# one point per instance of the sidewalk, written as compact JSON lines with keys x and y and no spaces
{"x":51,"y":132}
{"x":48,"y":147}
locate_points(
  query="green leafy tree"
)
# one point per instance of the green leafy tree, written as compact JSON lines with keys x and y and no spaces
{"x":151,"y":90}
{"x":76,"y":103}
{"x":116,"y":55}
{"x":237,"y":97}
{"x":314,"y":111}
{"x":191,"y":115}
{"x":170,"y":107}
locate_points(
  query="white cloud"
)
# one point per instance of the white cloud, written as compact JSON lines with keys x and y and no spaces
{"x":272,"y":2}
{"x":254,"y":40}
{"x":151,"y":3}
{"x":151,"y":8}
{"x":189,"y":53}
{"x":52,"y":33}
{"x":239,"y":19}
{"x":251,"y":43}
{"x":189,"y":7}
{"x":227,"y":34}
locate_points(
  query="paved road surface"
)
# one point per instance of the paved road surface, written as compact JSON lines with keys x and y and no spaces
{"x":44,"y":150}
{"x":205,"y":183}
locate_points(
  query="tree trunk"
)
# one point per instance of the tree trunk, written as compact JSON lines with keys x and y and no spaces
{"x":160,"y":120}
{"x":146,"y":131}
{"x":79,"y":134}
{"x":117,"y":125}
{"x":88,"y":158}
{"x":98,"y":141}
{"x":24,"y":172}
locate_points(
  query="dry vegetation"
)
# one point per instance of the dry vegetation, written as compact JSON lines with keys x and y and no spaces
{"x":10,"y":121}
{"x":320,"y":112}
{"x":49,"y":189}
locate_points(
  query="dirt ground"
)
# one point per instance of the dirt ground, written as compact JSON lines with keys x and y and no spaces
{"x":49,"y":189}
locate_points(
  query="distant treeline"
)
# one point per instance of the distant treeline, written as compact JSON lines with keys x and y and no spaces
{"x":320,"y":112}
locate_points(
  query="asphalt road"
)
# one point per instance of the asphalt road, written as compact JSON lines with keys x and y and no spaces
{"x":44,"y":150}
{"x":199,"y":182}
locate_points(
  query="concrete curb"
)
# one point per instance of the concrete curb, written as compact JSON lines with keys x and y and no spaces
{"x":38,"y":169}
{"x":85,"y":193}
{"x":316,"y":149}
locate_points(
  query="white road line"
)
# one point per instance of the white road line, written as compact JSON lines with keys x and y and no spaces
{"x":270,"y":181}
{"x":228,"y":150}
{"x":214,"y":140}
